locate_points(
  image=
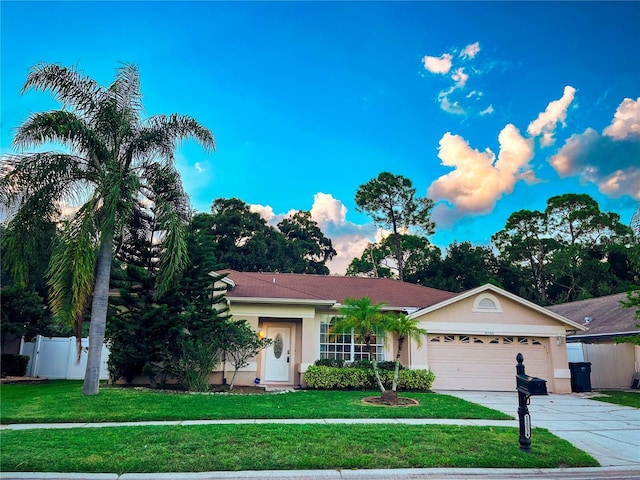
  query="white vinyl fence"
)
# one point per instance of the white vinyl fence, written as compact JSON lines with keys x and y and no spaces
{"x":56,"y":358}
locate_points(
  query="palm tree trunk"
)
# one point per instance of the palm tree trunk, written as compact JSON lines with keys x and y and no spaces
{"x":99,"y":306}
{"x":374,"y":363}
{"x":396,"y":370}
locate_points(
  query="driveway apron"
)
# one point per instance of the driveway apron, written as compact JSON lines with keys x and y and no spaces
{"x":609,"y":433}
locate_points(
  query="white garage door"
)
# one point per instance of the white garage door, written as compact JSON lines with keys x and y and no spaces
{"x":468,"y":362}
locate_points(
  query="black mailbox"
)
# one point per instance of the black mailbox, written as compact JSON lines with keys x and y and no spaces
{"x":531,"y":385}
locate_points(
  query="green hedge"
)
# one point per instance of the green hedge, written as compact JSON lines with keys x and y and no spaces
{"x":319,"y":377}
{"x":14,"y":365}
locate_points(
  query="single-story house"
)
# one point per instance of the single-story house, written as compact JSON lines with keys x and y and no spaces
{"x":604,"y":319}
{"x":473,"y":339}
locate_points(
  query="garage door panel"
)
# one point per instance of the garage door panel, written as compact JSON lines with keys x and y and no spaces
{"x":462,"y":362}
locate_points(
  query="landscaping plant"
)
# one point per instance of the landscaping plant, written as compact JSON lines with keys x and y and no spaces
{"x":115,"y":158}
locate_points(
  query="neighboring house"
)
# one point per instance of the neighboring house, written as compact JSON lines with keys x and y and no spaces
{"x":604,"y":319}
{"x":474,"y":336}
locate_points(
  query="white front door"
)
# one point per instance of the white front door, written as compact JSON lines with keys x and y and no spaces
{"x":278,"y":355}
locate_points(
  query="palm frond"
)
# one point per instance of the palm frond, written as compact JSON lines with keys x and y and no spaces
{"x":59,"y":126}
{"x":71,"y":270}
{"x":172,"y":215}
{"x":117,"y":192}
{"x":68,"y":85}
{"x":126,"y":90}
{"x":35,"y":181}
{"x":160,"y":133}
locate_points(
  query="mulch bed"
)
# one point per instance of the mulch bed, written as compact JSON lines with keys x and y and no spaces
{"x":23,"y":380}
{"x":402,"y":402}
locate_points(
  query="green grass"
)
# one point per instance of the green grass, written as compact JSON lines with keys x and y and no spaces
{"x":280,"y":447}
{"x":62,"y":401}
{"x":629,"y":399}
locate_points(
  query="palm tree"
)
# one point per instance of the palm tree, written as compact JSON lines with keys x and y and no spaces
{"x":404,"y":328}
{"x":115,"y":162}
{"x":365,"y":321}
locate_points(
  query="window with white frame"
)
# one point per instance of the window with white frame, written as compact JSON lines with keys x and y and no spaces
{"x":344,"y":346}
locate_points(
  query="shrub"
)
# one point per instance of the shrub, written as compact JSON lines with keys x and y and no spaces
{"x":320,"y":377}
{"x":14,"y":365}
{"x":333,"y":378}
{"x":388,"y":365}
{"x":421,"y":380}
{"x":330,"y":362}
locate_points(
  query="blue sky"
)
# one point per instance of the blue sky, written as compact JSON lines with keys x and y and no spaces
{"x":488,"y":108}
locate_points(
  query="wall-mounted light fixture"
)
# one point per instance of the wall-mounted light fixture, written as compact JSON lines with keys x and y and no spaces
{"x":261,"y":334}
{"x":559,"y":340}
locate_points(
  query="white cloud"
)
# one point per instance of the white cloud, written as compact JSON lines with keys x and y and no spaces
{"x":199,"y":167}
{"x":348,"y":239}
{"x":470,"y":51}
{"x":478,"y":180}
{"x":460,"y":78}
{"x":609,"y":161}
{"x":487,"y":111}
{"x":265,"y":211}
{"x":348,"y":246}
{"x":451,"y":97}
{"x":556,"y":112}
{"x":439,"y":65}
{"x":448,"y":106}
{"x":626,"y":121}
{"x":327,"y":209}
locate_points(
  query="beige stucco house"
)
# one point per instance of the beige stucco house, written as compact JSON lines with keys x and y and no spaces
{"x":473,"y":338}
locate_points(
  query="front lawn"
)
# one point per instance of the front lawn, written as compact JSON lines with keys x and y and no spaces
{"x":280,"y":447}
{"x":62,"y":401}
{"x":619,"y":397}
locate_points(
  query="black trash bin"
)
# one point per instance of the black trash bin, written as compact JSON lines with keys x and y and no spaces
{"x":580,"y":376}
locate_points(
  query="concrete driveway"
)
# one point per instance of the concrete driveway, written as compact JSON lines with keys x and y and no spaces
{"x":609,"y":433}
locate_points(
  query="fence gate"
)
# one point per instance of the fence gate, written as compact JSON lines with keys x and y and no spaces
{"x":612,"y":366}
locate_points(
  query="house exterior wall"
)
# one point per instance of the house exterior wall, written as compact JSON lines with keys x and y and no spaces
{"x":509,"y":319}
{"x":262,"y":315}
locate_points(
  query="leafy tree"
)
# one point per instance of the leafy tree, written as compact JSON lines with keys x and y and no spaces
{"x":241,"y":344}
{"x":183,"y":330}
{"x":242,"y":239}
{"x":374,"y":262}
{"x":420,"y":260}
{"x":309,"y":249}
{"x":22,"y":313}
{"x":572,"y":250}
{"x":525,"y":242}
{"x":24,"y":310}
{"x":391,"y":202}
{"x":365,"y":321}
{"x":404,"y":328}
{"x":633,"y":301}
{"x":115,"y":158}
{"x":466,"y":266}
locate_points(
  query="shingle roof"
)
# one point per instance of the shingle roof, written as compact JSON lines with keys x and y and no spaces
{"x":394,"y":293}
{"x":607,"y":314}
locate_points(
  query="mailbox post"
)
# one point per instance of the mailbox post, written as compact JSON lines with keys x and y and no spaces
{"x":526,"y":387}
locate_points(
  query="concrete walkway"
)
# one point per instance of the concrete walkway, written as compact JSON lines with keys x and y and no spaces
{"x":610,"y":433}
